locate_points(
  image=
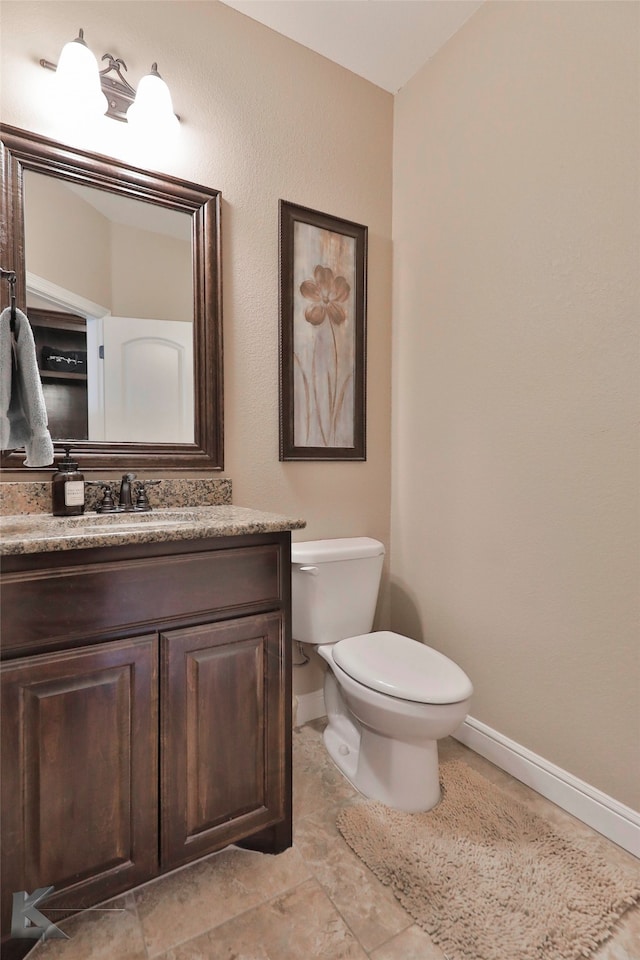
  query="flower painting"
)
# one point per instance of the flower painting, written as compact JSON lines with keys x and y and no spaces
{"x":322,"y":336}
{"x":323,"y":350}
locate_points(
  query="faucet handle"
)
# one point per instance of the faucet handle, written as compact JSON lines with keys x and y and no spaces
{"x":142,"y":498}
{"x":107,"y":504}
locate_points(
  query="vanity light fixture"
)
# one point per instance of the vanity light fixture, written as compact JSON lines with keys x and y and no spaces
{"x":152,"y":109}
{"x":91,"y":91}
{"x":78,"y":79}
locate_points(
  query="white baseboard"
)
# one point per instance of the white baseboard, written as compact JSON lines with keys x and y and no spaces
{"x":310,"y":707}
{"x":614,"y":820}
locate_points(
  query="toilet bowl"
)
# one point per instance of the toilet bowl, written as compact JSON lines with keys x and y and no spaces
{"x":388,"y":698}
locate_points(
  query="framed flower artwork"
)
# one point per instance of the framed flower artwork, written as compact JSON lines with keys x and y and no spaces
{"x":323,"y":296}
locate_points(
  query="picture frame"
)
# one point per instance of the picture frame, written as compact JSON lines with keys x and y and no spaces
{"x":323,"y":307}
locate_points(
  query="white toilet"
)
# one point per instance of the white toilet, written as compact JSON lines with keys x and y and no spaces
{"x":388,"y":699}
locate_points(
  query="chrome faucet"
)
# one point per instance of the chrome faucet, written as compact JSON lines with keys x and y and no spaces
{"x":125,"y":500}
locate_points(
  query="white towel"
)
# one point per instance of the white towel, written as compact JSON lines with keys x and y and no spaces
{"x":23,"y":415}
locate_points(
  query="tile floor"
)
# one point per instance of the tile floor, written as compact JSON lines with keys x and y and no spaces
{"x":316,"y":901}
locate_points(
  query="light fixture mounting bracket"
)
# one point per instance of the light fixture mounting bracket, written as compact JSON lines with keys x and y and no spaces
{"x":120,"y":94}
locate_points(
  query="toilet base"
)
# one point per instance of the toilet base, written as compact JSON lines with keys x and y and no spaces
{"x":403,"y":775}
{"x":400,"y":773}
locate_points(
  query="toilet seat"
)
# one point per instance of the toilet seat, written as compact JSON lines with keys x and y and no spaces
{"x":400,"y":667}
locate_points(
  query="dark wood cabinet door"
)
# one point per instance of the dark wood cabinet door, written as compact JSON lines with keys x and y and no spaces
{"x":79,"y":773}
{"x":223,"y":767}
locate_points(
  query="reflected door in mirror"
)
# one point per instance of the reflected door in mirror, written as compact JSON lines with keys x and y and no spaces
{"x":147,"y":374}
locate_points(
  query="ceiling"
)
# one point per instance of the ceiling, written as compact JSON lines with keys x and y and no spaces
{"x":131,"y":212}
{"x":384,"y":41}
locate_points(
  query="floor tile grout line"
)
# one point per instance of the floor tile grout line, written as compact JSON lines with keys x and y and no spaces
{"x":183,"y":868}
{"x":339,"y":912}
{"x":369,"y":951}
{"x":333,"y":811}
{"x":241,"y":913}
{"x":139,"y":922}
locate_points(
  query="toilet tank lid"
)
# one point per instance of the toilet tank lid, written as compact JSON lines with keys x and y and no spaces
{"x":325,"y":551}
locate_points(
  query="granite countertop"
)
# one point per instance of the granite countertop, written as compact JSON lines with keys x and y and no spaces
{"x":40,"y":533}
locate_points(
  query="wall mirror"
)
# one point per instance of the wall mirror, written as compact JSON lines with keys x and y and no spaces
{"x":119,"y":272}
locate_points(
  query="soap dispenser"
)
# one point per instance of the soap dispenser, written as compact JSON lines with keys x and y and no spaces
{"x":67,"y":488}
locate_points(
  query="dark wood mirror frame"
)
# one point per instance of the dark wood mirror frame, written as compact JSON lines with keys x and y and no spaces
{"x":20,"y":151}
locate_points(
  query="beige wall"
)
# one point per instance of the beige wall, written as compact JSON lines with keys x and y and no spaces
{"x":516,"y":303}
{"x":263,"y":119}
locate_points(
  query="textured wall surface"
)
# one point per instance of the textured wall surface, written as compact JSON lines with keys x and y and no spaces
{"x":516,"y":303}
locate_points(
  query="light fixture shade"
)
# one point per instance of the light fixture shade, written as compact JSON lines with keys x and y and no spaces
{"x":78,"y":79}
{"x":151,"y":113}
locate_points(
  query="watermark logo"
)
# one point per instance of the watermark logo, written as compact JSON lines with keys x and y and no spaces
{"x":27,"y":923}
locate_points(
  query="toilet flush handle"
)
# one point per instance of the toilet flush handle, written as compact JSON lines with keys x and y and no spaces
{"x":311,"y":570}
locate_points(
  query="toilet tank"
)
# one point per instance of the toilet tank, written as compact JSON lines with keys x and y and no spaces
{"x":334,"y":588}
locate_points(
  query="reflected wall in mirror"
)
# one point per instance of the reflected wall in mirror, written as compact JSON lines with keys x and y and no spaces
{"x":100,"y":256}
{"x":119,"y":272}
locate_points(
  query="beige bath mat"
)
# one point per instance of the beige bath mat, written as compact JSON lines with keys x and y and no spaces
{"x":487,"y":879}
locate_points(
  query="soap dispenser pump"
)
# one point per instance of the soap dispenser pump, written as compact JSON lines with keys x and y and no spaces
{"x":67,"y":488}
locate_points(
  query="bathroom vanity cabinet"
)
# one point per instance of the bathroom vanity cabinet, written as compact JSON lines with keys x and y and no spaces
{"x":146,"y":712}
